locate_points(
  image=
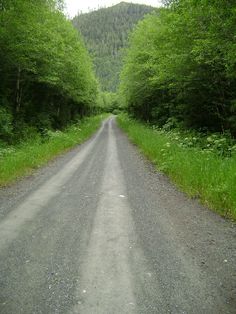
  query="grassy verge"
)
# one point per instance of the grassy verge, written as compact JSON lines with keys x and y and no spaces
{"x":201,"y":173}
{"x":19,"y":161}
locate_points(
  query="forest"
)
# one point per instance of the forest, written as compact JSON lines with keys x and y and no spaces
{"x":178,"y":85}
{"x":172,"y":70}
{"x":180,"y":67}
{"x":105,"y":32}
{"x":46,"y":74}
{"x":179,"y":64}
{"x":118,"y":157}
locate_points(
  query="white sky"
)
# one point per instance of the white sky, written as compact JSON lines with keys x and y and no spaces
{"x":74,"y":6}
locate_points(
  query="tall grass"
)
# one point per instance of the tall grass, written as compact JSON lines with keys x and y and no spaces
{"x":20,"y":160}
{"x":201,"y":173}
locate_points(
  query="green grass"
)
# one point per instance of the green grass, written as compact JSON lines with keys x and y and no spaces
{"x":20,"y":160}
{"x":201,"y":173}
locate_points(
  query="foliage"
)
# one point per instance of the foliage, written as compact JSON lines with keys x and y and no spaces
{"x":108,"y":102}
{"x":105,"y":32}
{"x":46,"y":75}
{"x":197,"y":169}
{"x":181,"y":65}
{"x":5,"y":124}
{"x":16,"y":161}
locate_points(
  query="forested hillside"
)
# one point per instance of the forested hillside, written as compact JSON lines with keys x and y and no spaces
{"x":105,"y":32}
{"x":46,"y":76}
{"x":180,"y":68}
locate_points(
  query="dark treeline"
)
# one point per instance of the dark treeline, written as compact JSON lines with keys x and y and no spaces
{"x":105,"y":32}
{"x":180,"y":68}
{"x":46,"y":76}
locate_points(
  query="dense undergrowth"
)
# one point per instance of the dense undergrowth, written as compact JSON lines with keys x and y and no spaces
{"x":17,"y":161}
{"x":204,"y":166}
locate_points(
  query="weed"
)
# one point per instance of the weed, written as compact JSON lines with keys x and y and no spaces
{"x":203,"y":167}
{"x":20,"y":160}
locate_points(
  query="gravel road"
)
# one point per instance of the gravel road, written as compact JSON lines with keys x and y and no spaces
{"x":99,"y":230}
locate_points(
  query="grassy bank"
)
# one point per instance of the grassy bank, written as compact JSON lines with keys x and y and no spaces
{"x":205,"y":173}
{"x":20,"y":160}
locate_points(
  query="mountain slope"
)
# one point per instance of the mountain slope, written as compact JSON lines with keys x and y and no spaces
{"x":105,"y":32}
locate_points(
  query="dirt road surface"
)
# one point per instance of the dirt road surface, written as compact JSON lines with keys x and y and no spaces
{"x":99,"y":230}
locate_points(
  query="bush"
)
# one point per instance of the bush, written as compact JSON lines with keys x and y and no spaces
{"x":6,"y":127}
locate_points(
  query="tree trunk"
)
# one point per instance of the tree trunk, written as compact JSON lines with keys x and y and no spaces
{"x":18,"y":90}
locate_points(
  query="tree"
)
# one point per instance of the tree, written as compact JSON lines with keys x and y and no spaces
{"x":105,"y":32}
{"x":46,"y":73}
{"x":181,"y":65}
